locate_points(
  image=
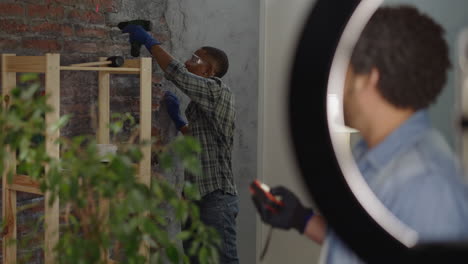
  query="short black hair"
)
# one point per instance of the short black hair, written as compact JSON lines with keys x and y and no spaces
{"x":410,"y":53}
{"x":221,"y":59}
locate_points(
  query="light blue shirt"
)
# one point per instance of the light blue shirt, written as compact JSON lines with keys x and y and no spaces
{"x":418,"y":178}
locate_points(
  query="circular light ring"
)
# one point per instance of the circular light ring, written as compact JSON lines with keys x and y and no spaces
{"x":315,"y":153}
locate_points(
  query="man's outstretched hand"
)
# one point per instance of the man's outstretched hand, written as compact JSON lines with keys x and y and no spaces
{"x":292,"y":215}
{"x":139,"y":34}
{"x":173,"y":109}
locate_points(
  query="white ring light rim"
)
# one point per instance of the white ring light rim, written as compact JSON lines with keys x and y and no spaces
{"x":351,"y":173}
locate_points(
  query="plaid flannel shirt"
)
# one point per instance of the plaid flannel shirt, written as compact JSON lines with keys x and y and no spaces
{"x":211,"y":115}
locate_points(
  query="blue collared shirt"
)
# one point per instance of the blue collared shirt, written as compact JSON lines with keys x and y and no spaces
{"x":418,"y":178}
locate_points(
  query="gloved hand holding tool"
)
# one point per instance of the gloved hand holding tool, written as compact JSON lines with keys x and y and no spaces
{"x":286,"y":214}
{"x":279,"y":208}
{"x":138,"y":35}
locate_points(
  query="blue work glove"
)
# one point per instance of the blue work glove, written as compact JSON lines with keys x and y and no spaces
{"x":173,"y":109}
{"x":292,"y":215}
{"x":139,"y":34}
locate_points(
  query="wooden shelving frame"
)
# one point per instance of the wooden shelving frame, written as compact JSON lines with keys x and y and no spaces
{"x":49,"y":64}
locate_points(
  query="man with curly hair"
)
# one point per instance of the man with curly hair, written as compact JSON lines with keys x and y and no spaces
{"x":397,"y":70}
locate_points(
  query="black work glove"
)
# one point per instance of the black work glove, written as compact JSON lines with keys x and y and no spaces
{"x":291,"y":215}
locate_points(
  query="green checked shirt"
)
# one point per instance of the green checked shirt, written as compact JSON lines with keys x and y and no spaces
{"x":211,"y":116}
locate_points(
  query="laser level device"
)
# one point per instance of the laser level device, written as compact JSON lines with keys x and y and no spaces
{"x":262,"y":196}
{"x":136,"y":46}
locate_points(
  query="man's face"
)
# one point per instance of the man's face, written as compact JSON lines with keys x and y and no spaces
{"x":199,"y":64}
{"x":350,"y":98}
{"x":360,"y":96}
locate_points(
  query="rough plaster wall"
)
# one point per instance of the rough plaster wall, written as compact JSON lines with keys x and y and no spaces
{"x":74,"y":29}
{"x":232,"y":26}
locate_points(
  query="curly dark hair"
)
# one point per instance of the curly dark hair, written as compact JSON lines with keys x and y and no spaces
{"x":221,"y":59}
{"x":410,"y":53}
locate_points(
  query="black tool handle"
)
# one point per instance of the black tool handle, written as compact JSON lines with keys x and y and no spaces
{"x":135,"y":51}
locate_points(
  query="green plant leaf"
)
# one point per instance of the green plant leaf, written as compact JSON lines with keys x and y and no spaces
{"x":184,"y":235}
{"x":203,"y":256}
{"x":172,"y":254}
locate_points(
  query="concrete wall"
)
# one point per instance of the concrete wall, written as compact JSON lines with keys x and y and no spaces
{"x":281,"y":21}
{"x":232,"y":26}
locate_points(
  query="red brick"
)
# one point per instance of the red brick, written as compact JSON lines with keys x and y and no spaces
{"x":47,"y":27}
{"x":42,"y":44}
{"x":8,"y":44}
{"x":82,"y":47}
{"x":113,"y":48}
{"x":12,"y":26}
{"x":103,"y":4}
{"x":86,"y":16}
{"x":62,"y":2}
{"x":43,"y":11}
{"x":79,"y":109}
{"x":11,"y":9}
{"x":106,"y":5}
{"x":92,"y":32}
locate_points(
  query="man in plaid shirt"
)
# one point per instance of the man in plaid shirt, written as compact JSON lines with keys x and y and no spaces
{"x":211,"y":117}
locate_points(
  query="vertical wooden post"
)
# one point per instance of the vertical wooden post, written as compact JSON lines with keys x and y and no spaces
{"x":104,"y":106}
{"x":52,"y":88}
{"x":103,"y":138}
{"x":144,"y":175}
{"x":8,"y":196}
{"x":145,"y":120}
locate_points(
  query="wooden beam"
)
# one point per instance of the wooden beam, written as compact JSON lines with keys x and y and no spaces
{"x":26,"y":64}
{"x":96,"y":63}
{"x":8,"y":196}
{"x":103,"y":138}
{"x":144,"y":175}
{"x":24,"y":183}
{"x":52,"y":89}
{"x":103,"y":107}
{"x":113,"y":70}
{"x":145,"y":119}
{"x":134,"y":63}
{"x":9,"y":234}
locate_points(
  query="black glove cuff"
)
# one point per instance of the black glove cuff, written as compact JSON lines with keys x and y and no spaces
{"x":301,"y":217}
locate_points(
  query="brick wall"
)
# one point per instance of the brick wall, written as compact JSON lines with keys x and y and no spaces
{"x":80,"y":32}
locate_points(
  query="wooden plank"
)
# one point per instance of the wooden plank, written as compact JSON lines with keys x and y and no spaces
{"x":129,"y":67}
{"x":104,"y":107}
{"x":24,"y":183}
{"x":95,"y":63}
{"x":134,"y":63}
{"x":103,"y":137}
{"x":8,"y":196}
{"x":26,"y":64}
{"x":145,"y":119}
{"x":113,"y":70}
{"x":9,"y":234}
{"x":52,"y":88}
{"x":144,"y":175}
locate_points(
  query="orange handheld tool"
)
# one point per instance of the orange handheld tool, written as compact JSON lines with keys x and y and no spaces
{"x":261,"y":194}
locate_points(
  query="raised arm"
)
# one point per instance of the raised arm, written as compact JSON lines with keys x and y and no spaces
{"x":201,"y":90}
